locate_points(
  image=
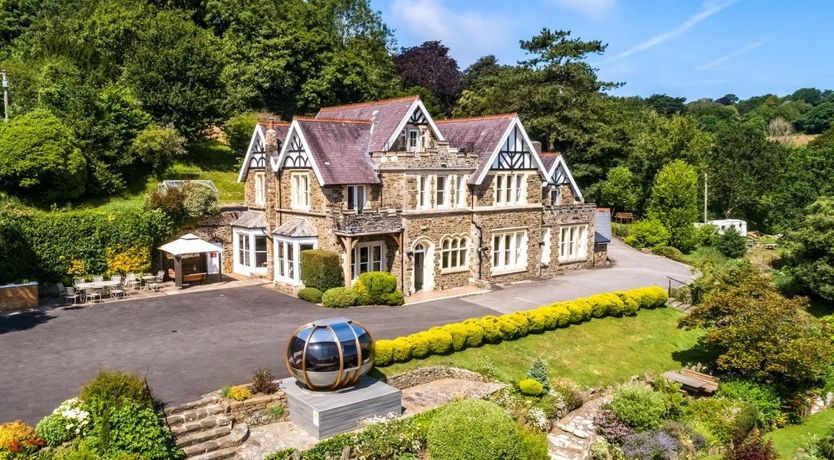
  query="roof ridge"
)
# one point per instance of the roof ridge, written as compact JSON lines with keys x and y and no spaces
{"x":276,"y":123}
{"x":483,"y":117}
{"x":359,"y":104}
{"x":550,"y":153}
{"x":334,"y":120}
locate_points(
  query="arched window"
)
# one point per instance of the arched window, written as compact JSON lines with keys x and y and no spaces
{"x":454,"y":253}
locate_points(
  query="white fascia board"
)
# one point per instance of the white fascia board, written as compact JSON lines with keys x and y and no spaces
{"x":295,"y":127}
{"x":257,"y":133}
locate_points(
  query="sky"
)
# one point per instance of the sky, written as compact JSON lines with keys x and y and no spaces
{"x":689,"y":48}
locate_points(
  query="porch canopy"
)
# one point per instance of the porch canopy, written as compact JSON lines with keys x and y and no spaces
{"x":188,"y":244}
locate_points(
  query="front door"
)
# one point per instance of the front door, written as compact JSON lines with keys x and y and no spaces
{"x":419,"y":260}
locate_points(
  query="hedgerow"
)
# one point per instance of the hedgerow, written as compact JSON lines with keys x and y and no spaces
{"x":494,"y":329}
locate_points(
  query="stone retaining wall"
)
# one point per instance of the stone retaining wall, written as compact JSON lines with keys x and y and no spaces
{"x":257,"y":410}
{"x":18,"y":296}
{"x":430,"y":374}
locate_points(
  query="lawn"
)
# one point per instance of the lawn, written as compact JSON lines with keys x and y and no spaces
{"x":787,"y":440}
{"x":595,"y":354}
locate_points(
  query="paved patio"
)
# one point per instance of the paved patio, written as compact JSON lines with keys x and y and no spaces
{"x":193,"y":343}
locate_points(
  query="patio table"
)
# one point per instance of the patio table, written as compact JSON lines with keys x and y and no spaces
{"x":97,"y":284}
{"x":146,"y":279}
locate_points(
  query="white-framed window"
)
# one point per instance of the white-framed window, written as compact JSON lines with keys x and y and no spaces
{"x":356,"y":196}
{"x":300,"y":191}
{"x":573,"y":243}
{"x":509,"y":251}
{"x":454,"y":253}
{"x":460,"y":191}
{"x":510,"y":188}
{"x":367,"y":257}
{"x":556,"y":195}
{"x":288,"y":257}
{"x":413,"y":139}
{"x":442,"y":191}
{"x":249,"y":247}
{"x":547,"y":234}
{"x":260,"y":189}
{"x":423,"y":192}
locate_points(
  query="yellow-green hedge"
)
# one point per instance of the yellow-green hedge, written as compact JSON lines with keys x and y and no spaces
{"x":494,"y":329}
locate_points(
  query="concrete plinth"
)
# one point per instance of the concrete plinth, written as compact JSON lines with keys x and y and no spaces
{"x":325,"y":413}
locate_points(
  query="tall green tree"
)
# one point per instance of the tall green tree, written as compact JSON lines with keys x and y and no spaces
{"x":39,"y":159}
{"x":811,"y":249}
{"x":619,"y":190}
{"x":674,"y":202}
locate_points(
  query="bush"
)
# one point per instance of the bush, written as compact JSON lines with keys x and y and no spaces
{"x":111,"y":389}
{"x":338,"y":297}
{"x":384,"y":352}
{"x":647,"y":233}
{"x":199,"y":201}
{"x":67,"y":422}
{"x":158,"y":146}
{"x":707,"y":235}
{"x":530,"y":387}
{"x":373,"y":287}
{"x":673,"y":398}
{"x":238,"y":130}
{"x":474,"y":430}
{"x":18,"y":438}
{"x":753,"y":447}
{"x":137,"y":429}
{"x":732,"y":244}
{"x":321,"y":269}
{"x":610,"y":427}
{"x":458,"y":331}
{"x":538,"y":372}
{"x":264,"y":382}
{"x":401,"y":349}
{"x":239,"y":393}
{"x":395,"y":298}
{"x":650,"y":445}
{"x":309,"y":294}
{"x":568,"y":391}
{"x":474,"y":333}
{"x":719,"y":418}
{"x":532,"y":445}
{"x":669,"y":252}
{"x":638,"y":406}
{"x":762,"y":397}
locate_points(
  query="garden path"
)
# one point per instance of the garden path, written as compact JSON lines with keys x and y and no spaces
{"x":572,"y":436}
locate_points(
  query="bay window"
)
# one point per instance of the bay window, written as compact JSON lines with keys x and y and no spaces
{"x":249,"y":248}
{"x":573,"y":243}
{"x":509,"y":251}
{"x":288,"y":257}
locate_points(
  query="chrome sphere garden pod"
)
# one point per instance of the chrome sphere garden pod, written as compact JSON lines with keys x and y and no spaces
{"x":329,"y":354}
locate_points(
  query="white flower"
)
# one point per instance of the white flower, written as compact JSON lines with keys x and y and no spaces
{"x":538,"y":419}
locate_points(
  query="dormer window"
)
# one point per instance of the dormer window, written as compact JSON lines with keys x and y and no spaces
{"x":356,"y":196}
{"x":413,"y":140}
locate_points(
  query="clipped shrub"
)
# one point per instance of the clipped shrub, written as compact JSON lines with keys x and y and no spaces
{"x":321,"y":269}
{"x":492,"y":330}
{"x":648,"y":233}
{"x":239,"y":393}
{"x":264,"y":382}
{"x":458,"y":332}
{"x":373,"y":287}
{"x":606,"y":304}
{"x":338,"y":297}
{"x":395,"y":298}
{"x":530,"y":387}
{"x":537,"y":320}
{"x":309,"y":294}
{"x":538,"y":372}
{"x":474,"y":430}
{"x":67,"y":422}
{"x":669,"y":252}
{"x":420,"y":344}
{"x":110,"y":389}
{"x":474,"y":333}
{"x":638,"y":406}
{"x":384,"y":351}
{"x":401,"y":349}
{"x":440,"y":340}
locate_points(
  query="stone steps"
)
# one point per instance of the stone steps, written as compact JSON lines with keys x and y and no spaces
{"x":204,"y":430}
{"x":202,"y":436}
{"x":216,"y":454}
{"x":202,"y":402}
{"x":228,"y":440}
{"x":191,"y":415}
{"x":182,"y":429}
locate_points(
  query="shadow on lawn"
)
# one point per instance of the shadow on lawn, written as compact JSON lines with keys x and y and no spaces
{"x":697,"y":354}
{"x":23,"y":321}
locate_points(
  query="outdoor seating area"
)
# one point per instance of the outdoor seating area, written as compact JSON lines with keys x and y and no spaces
{"x":98,"y":290}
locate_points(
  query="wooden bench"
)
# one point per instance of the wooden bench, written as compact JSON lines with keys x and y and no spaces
{"x":623,"y":217}
{"x":693,"y":382}
{"x":192,"y":278}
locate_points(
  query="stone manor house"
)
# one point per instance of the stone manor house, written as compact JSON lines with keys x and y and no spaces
{"x":439,"y":204}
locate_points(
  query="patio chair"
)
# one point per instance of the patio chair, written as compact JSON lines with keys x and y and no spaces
{"x":78,"y":281}
{"x":156,"y":284}
{"x":98,"y":278}
{"x":72,"y":294}
{"x":132,"y":282}
{"x":62,"y":292}
{"x":118,"y":291}
{"x":117,"y":278}
{"x":93,"y":295}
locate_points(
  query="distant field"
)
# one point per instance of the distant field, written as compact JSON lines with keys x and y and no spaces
{"x":794,"y":140}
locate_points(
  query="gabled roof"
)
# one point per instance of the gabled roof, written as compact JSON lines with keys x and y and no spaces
{"x":259,"y":139}
{"x":484,"y":136}
{"x":556,"y":166}
{"x":337,"y":148}
{"x":549,"y":159}
{"x":389,"y":116}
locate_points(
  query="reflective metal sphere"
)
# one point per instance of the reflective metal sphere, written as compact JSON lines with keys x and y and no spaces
{"x":330,"y":354}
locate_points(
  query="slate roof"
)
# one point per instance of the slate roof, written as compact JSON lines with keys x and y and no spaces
{"x":250,"y":219}
{"x":340,"y":149}
{"x":281,"y":129}
{"x":297,"y":228}
{"x":549,"y":159}
{"x":480,"y":136}
{"x":386,"y":115}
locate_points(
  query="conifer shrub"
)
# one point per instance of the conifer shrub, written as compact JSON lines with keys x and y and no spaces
{"x":538,"y":372}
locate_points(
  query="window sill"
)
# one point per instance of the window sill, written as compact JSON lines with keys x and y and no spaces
{"x":288,"y":282}
{"x":450,"y":271}
{"x":572,"y":261}
{"x":508,"y":271}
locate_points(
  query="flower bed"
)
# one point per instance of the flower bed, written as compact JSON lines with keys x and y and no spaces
{"x":494,"y":329}
{"x":18,"y":296}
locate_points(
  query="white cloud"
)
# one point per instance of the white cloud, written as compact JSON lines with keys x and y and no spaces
{"x":746,"y":48}
{"x":709,"y":9}
{"x":591,"y":8}
{"x":469,"y":34}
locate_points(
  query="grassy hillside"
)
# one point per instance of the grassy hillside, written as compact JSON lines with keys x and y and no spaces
{"x":789,"y":439}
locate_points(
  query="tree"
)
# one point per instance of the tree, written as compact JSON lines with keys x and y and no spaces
{"x":754,"y":332}
{"x":727,"y":99}
{"x":239,"y":129}
{"x":818,"y":119}
{"x":481,"y":71}
{"x":666,"y":105}
{"x":158,"y":147}
{"x":812,"y":96}
{"x":732,"y":244}
{"x":674,"y":202}
{"x":430,"y":66}
{"x":174,"y":70}
{"x":39,"y":159}
{"x":811,"y":249}
{"x":619,"y":190}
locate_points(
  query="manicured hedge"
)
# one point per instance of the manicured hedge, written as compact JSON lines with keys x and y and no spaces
{"x":338,"y":297}
{"x":309,"y":294}
{"x":57,"y":246}
{"x":494,"y":329}
{"x":321,"y":269}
